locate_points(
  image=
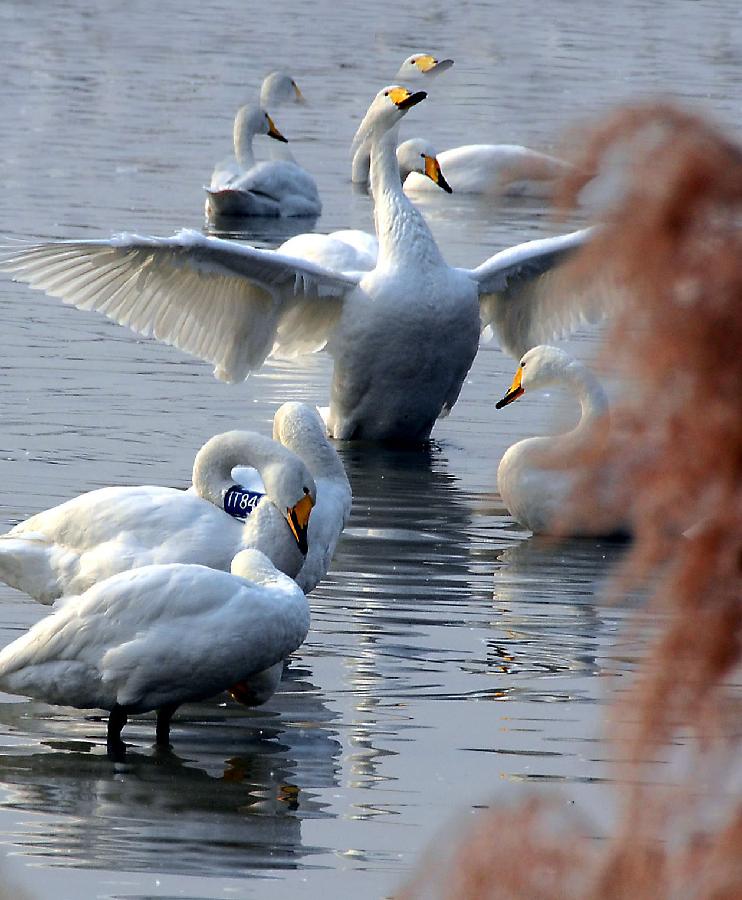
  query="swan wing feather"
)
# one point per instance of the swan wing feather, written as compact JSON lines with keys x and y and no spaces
{"x":526,"y":299}
{"x":218,"y":300}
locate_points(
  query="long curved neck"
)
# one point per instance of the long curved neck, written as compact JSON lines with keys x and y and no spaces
{"x":243,"y":136}
{"x":212,"y":467}
{"x":593,"y":403}
{"x":310,"y":444}
{"x":403,"y":234}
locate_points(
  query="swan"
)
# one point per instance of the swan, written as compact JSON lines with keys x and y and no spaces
{"x":301,"y":429}
{"x":244,"y":187}
{"x":417,"y":70}
{"x":493,"y":169}
{"x":159,"y":636}
{"x":67,"y":548}
{"x":539,"y":495}
{"x":278,"y":88}
{"x":402,"y":336}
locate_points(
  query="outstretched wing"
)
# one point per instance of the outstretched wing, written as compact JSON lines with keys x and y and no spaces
{"x":221,"y":301}
{"x":525,"y":297}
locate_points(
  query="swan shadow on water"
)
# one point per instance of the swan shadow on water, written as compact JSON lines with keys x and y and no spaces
{"x":230,"y":802}
{"x":260,"y":231}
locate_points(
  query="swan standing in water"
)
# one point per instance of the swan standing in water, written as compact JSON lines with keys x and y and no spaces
{"x":159,"y":636}
{"x":402,"y":336}
{"x":491,"y":169}
{"x":244,"y":187}
{"x":66,"y":549}
{"x":538,"y":495}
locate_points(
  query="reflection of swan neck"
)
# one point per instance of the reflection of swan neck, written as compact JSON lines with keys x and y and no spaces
{"x":212,"y":468}
{"x":403,"y":234}
{"x":243,"y":136}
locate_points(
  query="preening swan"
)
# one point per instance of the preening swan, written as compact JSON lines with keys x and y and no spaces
{"x":538,"y":495}
{"x":158,"y":636}
{"x":301,"y":429}
{"x":244,"y":187}
{"x":493,"y":169}
{"x":402,"y":336}
{"x":66,"y":549}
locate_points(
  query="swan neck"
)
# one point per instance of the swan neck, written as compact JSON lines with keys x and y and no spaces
{"x":212,"y":468}
{"x":243,"y":138}
{"x":593,"y":403}
{"x":403,"y":234}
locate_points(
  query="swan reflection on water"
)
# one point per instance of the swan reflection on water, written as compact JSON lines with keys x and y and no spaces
{"x":232,"y":800}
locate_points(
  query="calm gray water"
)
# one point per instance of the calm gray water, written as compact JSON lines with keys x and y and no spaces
{"x":453,"y":661}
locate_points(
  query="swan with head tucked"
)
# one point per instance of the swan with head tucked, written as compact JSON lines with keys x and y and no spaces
{"x":245,"y":187}
{"x":492,"y":169}
{"x":539,"y":495}
{"x":402,"y":336}
{"x":67,"y":548}
{"x":159,"y":636}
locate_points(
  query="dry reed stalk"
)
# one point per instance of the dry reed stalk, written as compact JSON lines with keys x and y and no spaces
{"x":673,"y":239}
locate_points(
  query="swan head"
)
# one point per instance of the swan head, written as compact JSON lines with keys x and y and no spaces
{"x":252,"y":120}
{"x":540,"y":367}
{"x":290,"y":486}
{"x":422,"y":64}
{"x":294,"y":423}
{"x":418,"y":155}
{"x":279,"y":87}
{"x":389,"y":106}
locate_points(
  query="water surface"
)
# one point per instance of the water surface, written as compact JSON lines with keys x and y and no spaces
{"x":453,"y":660}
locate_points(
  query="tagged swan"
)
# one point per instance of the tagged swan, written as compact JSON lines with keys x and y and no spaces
{"x":244,"y":187}
{"x":67,"y":548}
{"x":159,"y":636}
{"x":538,"y":495}
{"x":493,"y":169}
{"x":402,"y":336}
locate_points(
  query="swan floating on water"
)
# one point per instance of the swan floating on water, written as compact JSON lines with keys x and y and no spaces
{"x":402,"y":336}
{"x":540,"y":496}
{"x":159,"y":636}
{"x":66,"y":549}
{"x":275,"y":187}
{"x":492,"y":169}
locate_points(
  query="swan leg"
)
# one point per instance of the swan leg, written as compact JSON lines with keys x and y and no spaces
{"x":164,"y":715}
{"x":116,"y":721}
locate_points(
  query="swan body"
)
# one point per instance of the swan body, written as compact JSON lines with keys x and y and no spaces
{"x":158,"y":636}
{"x":492,"y":169}
{"x":402,"y":336}
{"x":538,"y":495}
{"x":66,"y":549}
{"x":244,"y":187}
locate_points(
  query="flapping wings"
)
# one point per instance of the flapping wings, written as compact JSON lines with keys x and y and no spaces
{"x":221,"y":301}
{"x":525,"y":297}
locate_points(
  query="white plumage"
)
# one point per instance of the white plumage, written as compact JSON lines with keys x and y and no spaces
{"x":542,"y":496}
{"x":159,"y":636}
{"x":402,"y":335}
{"x":67,"y":548}
{"x":244,"y":187}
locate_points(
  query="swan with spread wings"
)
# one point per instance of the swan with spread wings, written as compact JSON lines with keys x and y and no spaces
{"x":402,"y":336}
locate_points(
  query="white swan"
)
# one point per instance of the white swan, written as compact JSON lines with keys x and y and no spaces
{"x":402,"y":336}
{"x":492,"y":169}
{"x":66,"y":549}
{"x":278,"y":88}
{"x":301,"y":429}
{"x":536,"y":494}
{"x":244,"y":187}
{"x":418,"y":70}
{"x":161,"y":635}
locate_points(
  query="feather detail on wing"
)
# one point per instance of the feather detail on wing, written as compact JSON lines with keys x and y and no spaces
{"x":527,"y":297}
{"x":221,"y":301}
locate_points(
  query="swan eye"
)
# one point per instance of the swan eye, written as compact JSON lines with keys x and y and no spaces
{"x":522,"y":365}
{"x":386,"y":93}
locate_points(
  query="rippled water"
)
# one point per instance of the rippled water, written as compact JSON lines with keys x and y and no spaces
{"x":452,"y":660}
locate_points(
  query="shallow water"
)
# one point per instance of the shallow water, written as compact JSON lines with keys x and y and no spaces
{"x":453,"y":661}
